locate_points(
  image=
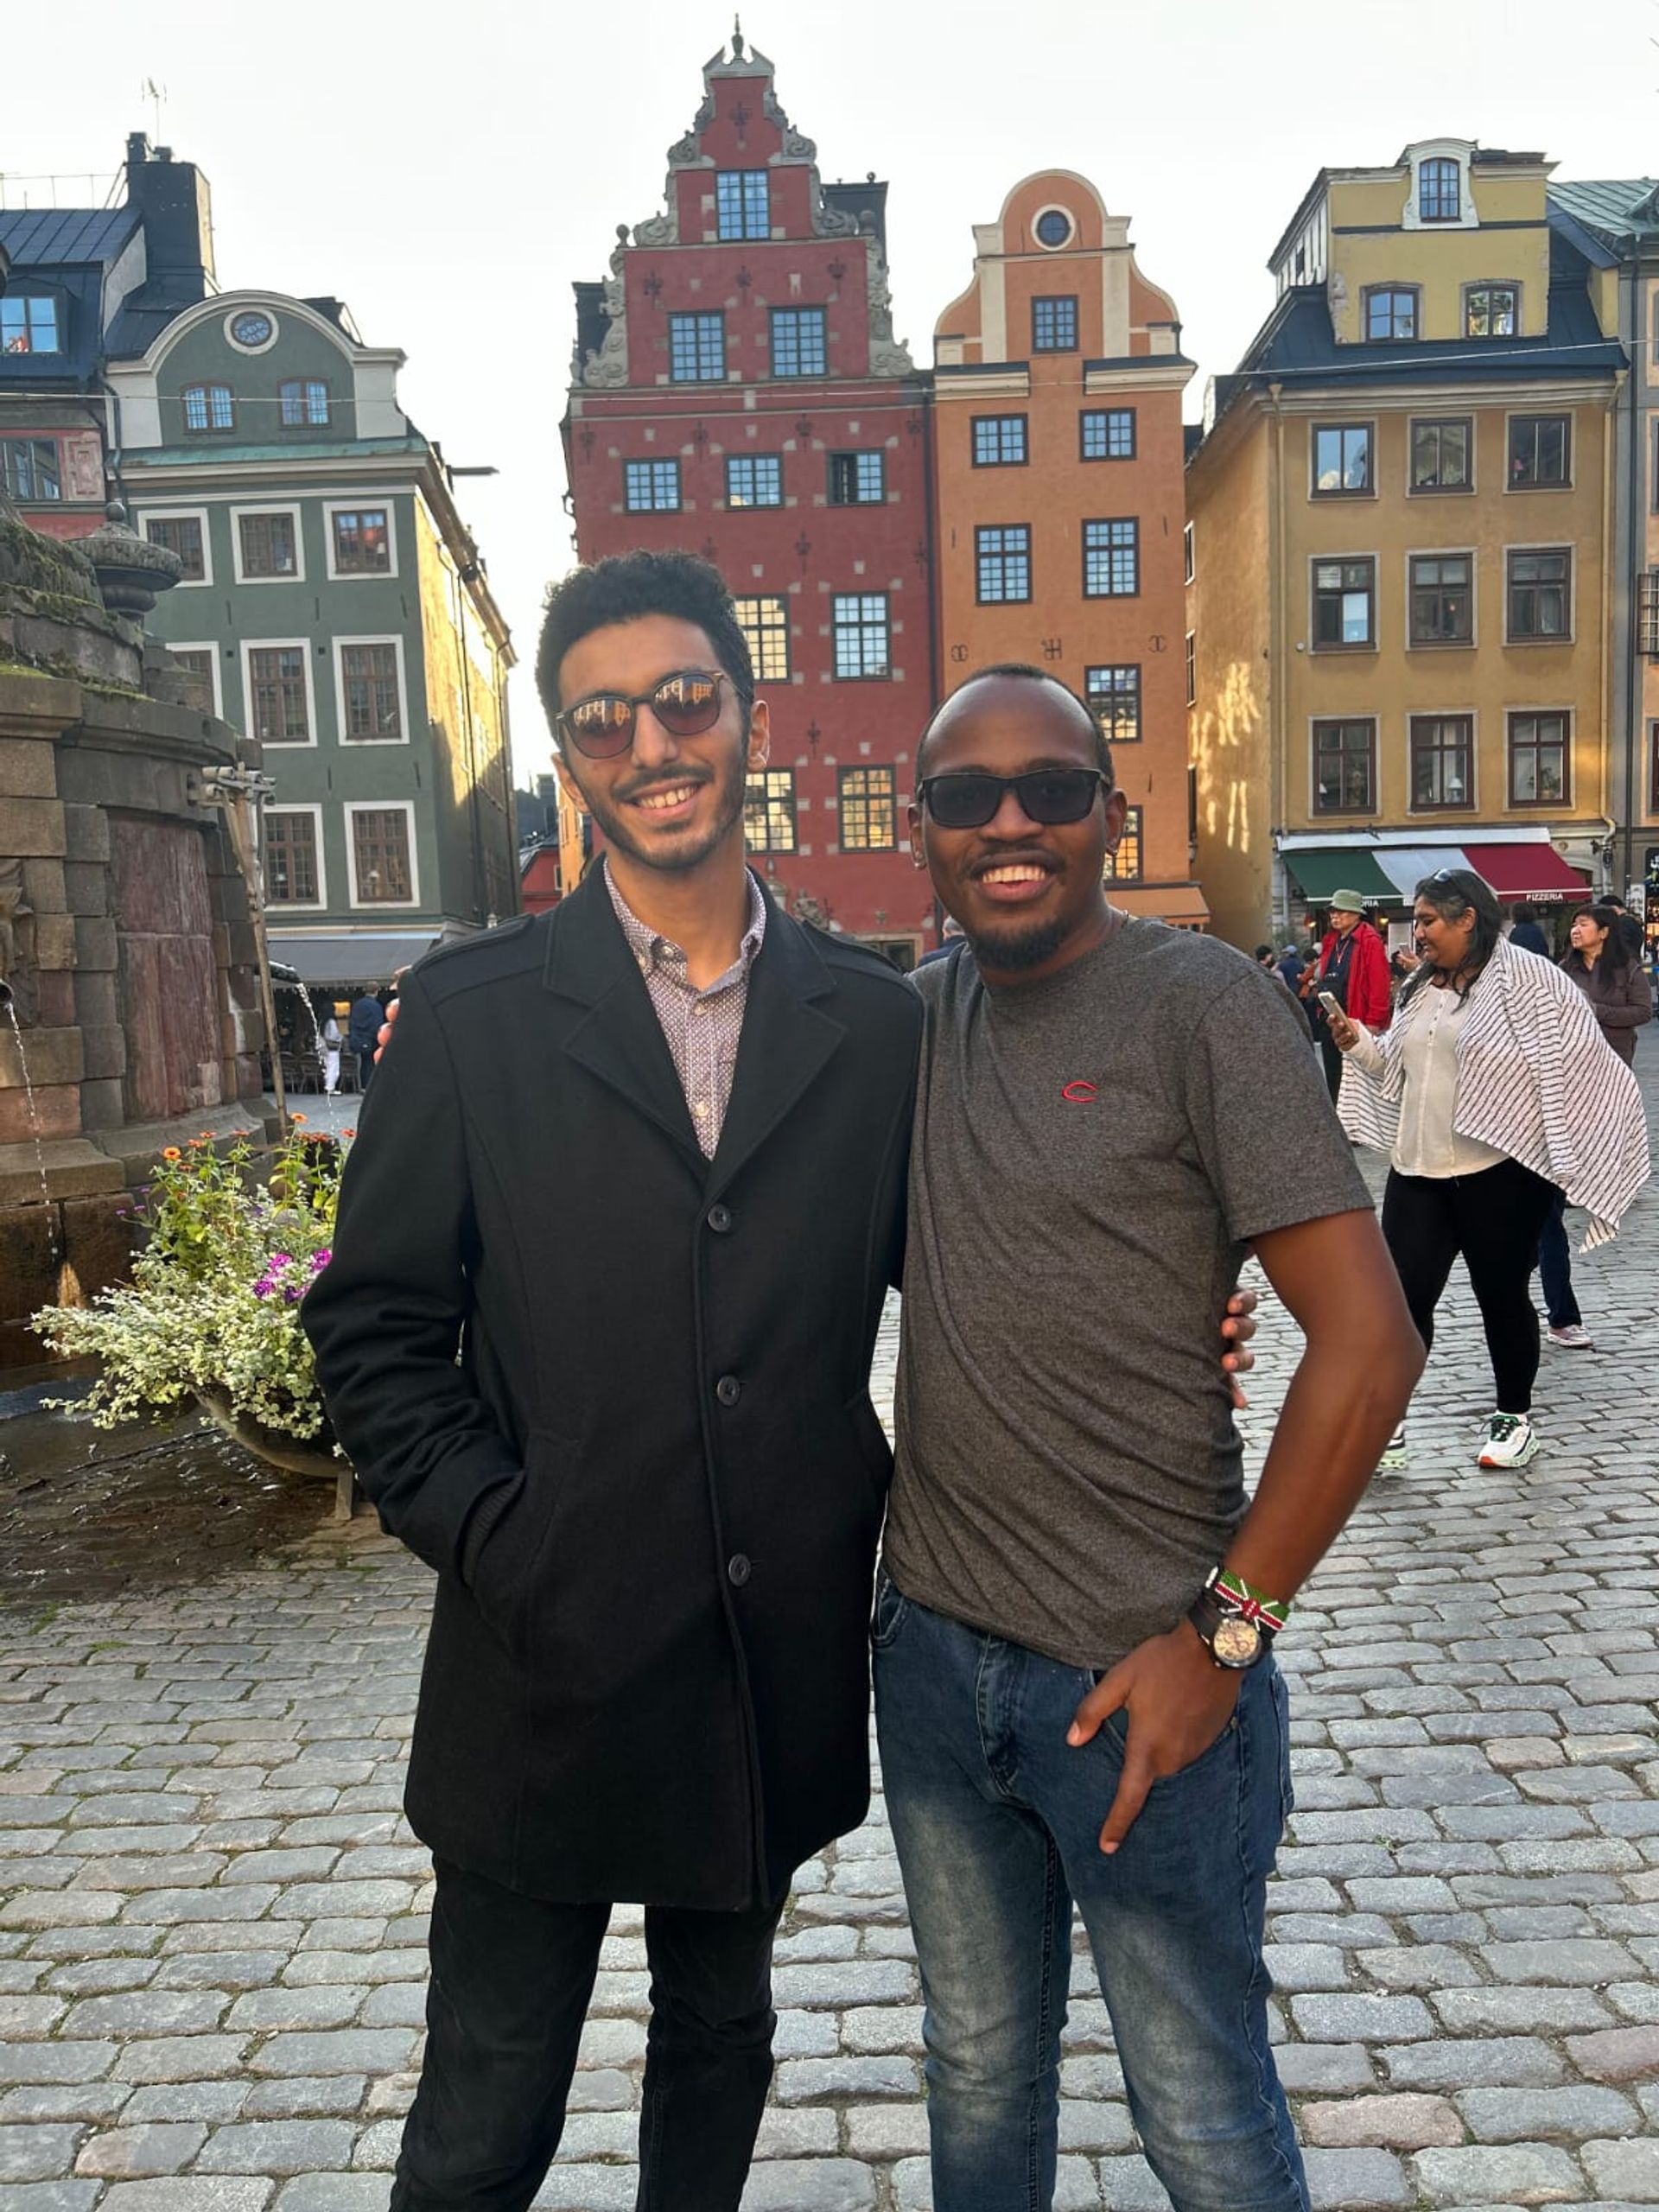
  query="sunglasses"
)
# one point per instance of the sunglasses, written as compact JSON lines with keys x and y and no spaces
{"x":686,"y":703}
{"x":969,"y":799}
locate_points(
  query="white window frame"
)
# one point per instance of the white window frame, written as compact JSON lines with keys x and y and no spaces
{"x":307,"y":650}
{"x":330,"y":509}
{"x":342,"y":736}
{"x":214,"y":651}
{"x":356,"y":806}
{"x":297,"y":905}
{"x":269,"y":507}
{"x":198,"y":515}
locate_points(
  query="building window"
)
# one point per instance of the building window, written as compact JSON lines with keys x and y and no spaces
{"x":268,"y":544}
{"x":867,"y":810}
{"x":201,"y":662}
{"x":1344,"y":604}
{"x":857,"y":480}
{"x":304,"y":403}
{"x":797,"y":342}
{"x":281,"y":713}
{"x":362,"y":542}
{"x":1344,"y":766}
{"x":1653,"y":768}
{"x":650,"y":487}
{"x":742,"y":204}
{"x":1342,"y":459}
{"x":1491,"y":310}
{"x":697,"y":348}
{"x":1541,"y":451}
{"x":28,"y":324}
{"x":1123,"y":866}
{"x":292,"y":875}
{"x":1192,"y":668}
{"x":859,"y":620}
{"x":208,"y":408}
{"x":1442,"y":453}
{"x":999,"y":441}
{"x":1439,"y":192}
{"x":380,"y":856}
{"x":754,"y":480}
{"x":1002,"y":562}
{"x":1442,"y":761}
{"x":1113,"y":692}
{"x":1539,"y":760}
{"x":1390,"y":313}
{"x":1540,"y":594}
{"x":30,"y":469}
{"x":370,"y":701}
{"x":181,"y":534}
{"x":1111,"y":559}
{"x":1054,"y":324}
{"x":1107,"y":433}
{"x":765,"y":624}
{"x":1189,"y":548}
{"x":769,"y":812}
{"x":1442,"y":598}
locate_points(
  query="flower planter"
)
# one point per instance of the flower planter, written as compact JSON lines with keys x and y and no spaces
{"x":313,"y":1459}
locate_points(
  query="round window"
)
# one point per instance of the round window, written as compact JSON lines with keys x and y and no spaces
{"x":252,"y":329}
{"x":1054,"y":226}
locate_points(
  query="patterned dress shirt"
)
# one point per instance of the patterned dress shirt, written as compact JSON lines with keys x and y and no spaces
{"x":702,"y":1027}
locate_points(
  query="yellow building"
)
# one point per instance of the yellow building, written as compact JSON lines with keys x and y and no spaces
{"x":1399,"y":513}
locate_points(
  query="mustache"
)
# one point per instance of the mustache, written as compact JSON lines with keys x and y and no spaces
{"x":1047,"y":862}
{"x":658,"y":782}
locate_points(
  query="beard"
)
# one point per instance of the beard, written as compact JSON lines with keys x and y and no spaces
{"x":1007,"y":952}
{"x":686,"y":853}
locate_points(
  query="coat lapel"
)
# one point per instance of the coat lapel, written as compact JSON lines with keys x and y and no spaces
{"x":787,"y":1040}
{"x":620,"y":1040}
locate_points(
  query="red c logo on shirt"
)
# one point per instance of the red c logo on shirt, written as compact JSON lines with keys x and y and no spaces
{"x":1082,"y":1092}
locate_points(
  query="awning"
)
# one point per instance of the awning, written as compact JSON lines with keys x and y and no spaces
{"x":1183,"y":905}
{"x":1531,"y":871}
{"x":370,"y":958}
{"x":1321,"y":869}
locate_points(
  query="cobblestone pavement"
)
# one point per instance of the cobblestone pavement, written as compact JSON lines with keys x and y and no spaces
{"x":211,"y":1916}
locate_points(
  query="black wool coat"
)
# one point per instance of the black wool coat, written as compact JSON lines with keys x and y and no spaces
{"x":617,"y":1396}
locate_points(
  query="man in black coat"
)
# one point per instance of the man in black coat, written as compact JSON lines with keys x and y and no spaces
{"x":612,"y":1248}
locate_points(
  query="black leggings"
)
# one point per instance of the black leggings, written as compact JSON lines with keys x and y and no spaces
{"x":1492,"y":1218}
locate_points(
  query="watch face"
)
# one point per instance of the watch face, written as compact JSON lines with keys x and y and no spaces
{"x":1236,"y":1642}
{"x":251,"y":330}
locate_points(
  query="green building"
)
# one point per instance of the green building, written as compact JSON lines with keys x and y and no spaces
{"x":336,"y":608}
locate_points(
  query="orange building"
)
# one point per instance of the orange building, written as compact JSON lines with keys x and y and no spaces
{"x":1061,"y":501}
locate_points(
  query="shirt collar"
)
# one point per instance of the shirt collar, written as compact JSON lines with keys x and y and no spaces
{"x":651,"y":950}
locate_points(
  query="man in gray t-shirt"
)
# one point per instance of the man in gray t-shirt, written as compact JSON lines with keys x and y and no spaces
{"x":1074,"y":1621}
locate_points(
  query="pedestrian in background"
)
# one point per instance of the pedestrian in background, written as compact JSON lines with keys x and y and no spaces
{"x":332,"y":1038}
{"x":367,"y":1014}
{"x":1354,"y":968}
{"x":1527,"y":936}
{"x":1493,"y":1084}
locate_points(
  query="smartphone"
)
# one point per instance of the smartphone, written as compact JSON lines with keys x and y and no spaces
{"x":1330,"y":1001}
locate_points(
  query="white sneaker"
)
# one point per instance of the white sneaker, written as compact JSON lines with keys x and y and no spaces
{"x":1574,"y":1336}
{"x":1511,"y":1440}
{"x":1393,"y":1453}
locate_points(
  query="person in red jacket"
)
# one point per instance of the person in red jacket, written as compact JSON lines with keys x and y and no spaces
{"x":1354,"y":968}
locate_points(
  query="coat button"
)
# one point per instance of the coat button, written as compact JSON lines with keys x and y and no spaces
{"x":737,"y":1570}
{"x":720,"y":1219}
{"x":729,"y":1389}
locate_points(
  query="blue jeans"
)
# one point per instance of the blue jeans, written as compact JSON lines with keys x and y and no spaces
{"x":997,"y":1822}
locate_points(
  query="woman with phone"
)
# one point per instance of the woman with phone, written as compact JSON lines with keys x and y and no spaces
{"x":1492,"y":1087}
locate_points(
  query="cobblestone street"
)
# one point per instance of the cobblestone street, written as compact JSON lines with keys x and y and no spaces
{"x":211,"y":1916}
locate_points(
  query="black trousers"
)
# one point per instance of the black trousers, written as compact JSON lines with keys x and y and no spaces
{"x":1332,"y":1058}
{"x":1491,"y":1218}
{"x":511,"y":1977}
{"x":1555,"y":1267}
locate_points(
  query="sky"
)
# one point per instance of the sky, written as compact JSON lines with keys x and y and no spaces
{"x":450,"y":171}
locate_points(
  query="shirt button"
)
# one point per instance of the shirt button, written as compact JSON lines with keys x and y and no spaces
{"x":729,"y":1389}
{"x":720,"y":1219}
{"x":738,"y":1570}
{"x":700,"y":1108}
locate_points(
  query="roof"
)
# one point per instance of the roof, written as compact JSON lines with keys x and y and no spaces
{"x":66,"y":237}
{"x":1613,"y":209}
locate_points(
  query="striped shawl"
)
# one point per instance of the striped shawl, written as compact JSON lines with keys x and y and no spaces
{"x":1536,"y":1079}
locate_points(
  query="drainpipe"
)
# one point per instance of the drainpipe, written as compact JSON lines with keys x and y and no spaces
{"x":1278,"y":673}
{"x":1636,"y":526}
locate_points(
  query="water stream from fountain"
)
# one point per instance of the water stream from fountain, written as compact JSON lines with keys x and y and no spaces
{"x":10,"y":1007}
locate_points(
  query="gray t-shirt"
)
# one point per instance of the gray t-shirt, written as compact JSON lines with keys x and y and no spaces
{"x":1093,"y":1152}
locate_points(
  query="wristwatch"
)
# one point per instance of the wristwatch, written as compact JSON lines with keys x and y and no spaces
{"x":1234,"y":1641}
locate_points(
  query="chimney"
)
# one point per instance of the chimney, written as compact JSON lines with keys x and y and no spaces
{"x":175,"y":207}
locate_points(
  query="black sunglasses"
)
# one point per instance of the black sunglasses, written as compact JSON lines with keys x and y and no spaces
{"x":686,"y":703}
{"x":970,"y":798}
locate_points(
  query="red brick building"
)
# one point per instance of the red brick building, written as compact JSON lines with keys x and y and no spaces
{"x":737,"y":391}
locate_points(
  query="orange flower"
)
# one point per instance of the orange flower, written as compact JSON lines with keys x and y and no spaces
{"x":348,"y":1133}
{"x":171,"y":1152}
{"x":297,"y":1117}
{"x":197,"y":1141}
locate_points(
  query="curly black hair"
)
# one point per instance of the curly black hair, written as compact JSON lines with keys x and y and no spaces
{"x":626,"y":588}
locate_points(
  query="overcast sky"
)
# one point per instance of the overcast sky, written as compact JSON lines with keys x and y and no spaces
{"x":448,"y":171}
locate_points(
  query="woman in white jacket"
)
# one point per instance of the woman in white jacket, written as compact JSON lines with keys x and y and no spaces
{"x":1491,"y":1088}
